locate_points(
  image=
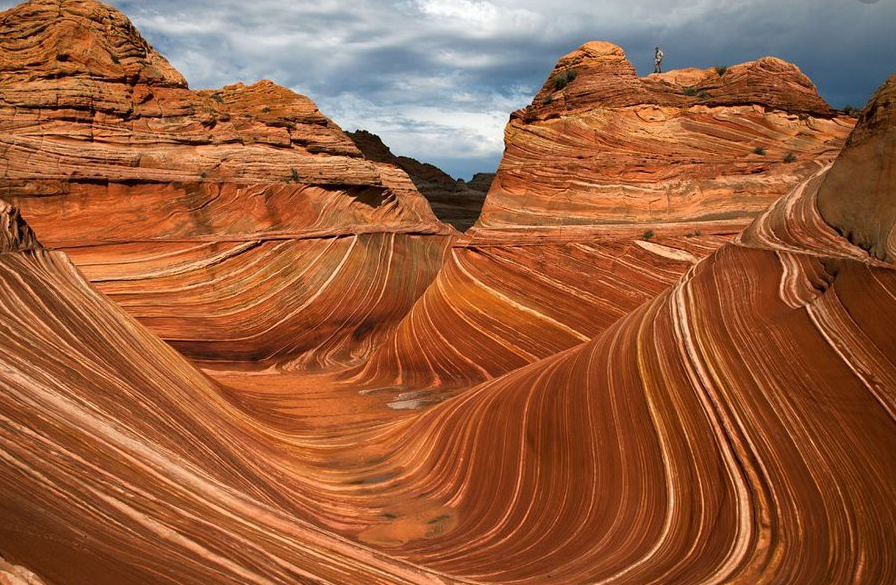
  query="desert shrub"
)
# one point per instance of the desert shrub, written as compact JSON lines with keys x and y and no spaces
{"x":294,"y":175}
{"x":789,"y":158}
{"x":759,"y":150}
{"x":203,"y":175}
{"x":561,"y":80}
{"x":266,"y":110}
{"x":218,"y":98}
{"x":693,"y":234}
{"x":115,"y":58}
{"x":703,"y":95}
{"x":646,"y":236}
{"x":851,"y":110}
{"x":721,"y":69}
{"x":549,"y":100}
{"x":691,"y":91}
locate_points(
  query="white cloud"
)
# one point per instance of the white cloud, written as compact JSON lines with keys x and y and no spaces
{"x":474,"y":12}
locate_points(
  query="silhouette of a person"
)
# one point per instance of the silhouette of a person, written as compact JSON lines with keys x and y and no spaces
{"x":658,"y":61}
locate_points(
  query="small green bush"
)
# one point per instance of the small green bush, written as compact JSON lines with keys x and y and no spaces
{"x":561,"y":80}
{"x":693,"y":234}
{"x":721,"y":69}
{"x":690,"y":91}
{"x":646,"y":236}
{"x":759,"y":150}
{"x":703,"y":95}
{"x":266,"y":110}
{"x":218,"y":98}
{"x":294,"y":175}
{"x":851,"y":110}
{"x":115,"y":58}
{"x":789,"y":158}
{"x":549,"y":100}
{"x":203,"y":175}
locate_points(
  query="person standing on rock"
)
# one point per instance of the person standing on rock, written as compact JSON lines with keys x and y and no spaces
{"x":658,"y":61}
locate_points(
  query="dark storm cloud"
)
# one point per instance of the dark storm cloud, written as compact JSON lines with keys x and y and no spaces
{"x":437,"y":79}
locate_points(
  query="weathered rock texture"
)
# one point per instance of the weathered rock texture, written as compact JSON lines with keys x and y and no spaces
{"x":15,"y":234}
{"x":738,"y":428}
{"x":610,"y":147}
{"x":611,"y":187}
{"x":857,"y":195}
{"x":227,"y":221}
{"x":456,"y":202}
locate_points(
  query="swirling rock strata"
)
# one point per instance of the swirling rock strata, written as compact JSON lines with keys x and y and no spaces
{"x":610,"y":188}
{"x":738,"y":428}
{"x":213,"y":216}
{"x":122,"y":463}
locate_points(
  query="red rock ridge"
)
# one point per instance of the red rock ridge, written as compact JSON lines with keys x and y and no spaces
{"x":738,"y":428}
{"x":610,"y":147}
{"x":610,"y":188}
{"x":212,"y":216}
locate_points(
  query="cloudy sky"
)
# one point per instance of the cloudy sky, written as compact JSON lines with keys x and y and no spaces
{"x":437,"y":79}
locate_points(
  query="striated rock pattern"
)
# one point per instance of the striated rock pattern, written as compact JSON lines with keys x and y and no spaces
{"x":738,"y":428}
{"x":122,"y":463}
{"x":455,"y":202}
{"x":605,"y":146}
{"x":496,"y":306}
{"x":611,"y":187}
{"x":228,"y":221}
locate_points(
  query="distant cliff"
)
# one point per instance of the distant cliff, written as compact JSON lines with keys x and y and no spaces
{"x":453,"y":201}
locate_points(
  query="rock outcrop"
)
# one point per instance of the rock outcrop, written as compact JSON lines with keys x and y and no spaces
{"x":227,"y":221}
{"x":15,"y":234}
{"x":455,"y":202}
{"x":738,"y":428}
{"x":120,"y":462}
{"x":605,"y":146}
{"x":611,"y":187}
{"x":857,"y":195}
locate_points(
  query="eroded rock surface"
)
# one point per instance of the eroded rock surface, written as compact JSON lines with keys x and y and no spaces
{"x":696,"y":440}
{"x":611,"y":187}
{"x":229,"y":221}
{"x":610,"y":147}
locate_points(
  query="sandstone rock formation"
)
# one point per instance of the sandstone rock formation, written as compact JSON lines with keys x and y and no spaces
{"x":611,"y":187}
{"x":585,"y":388}
{"x":232,"y":222}
{"x":610,"y":147}
{"x":15,"y":234}
{"x":736,"y":429}
{"x":857,"y":195}
{"x":453,"y":201}
{"x":14,"y":575}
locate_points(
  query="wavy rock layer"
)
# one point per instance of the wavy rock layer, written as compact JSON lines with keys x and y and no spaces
{"x":232,"y":222}
{"x":610,"y":147}
{"x":736,"y":429}
{"x":496,"y":306}
{"x":610,"y":188}
{"x":122,"y":463}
